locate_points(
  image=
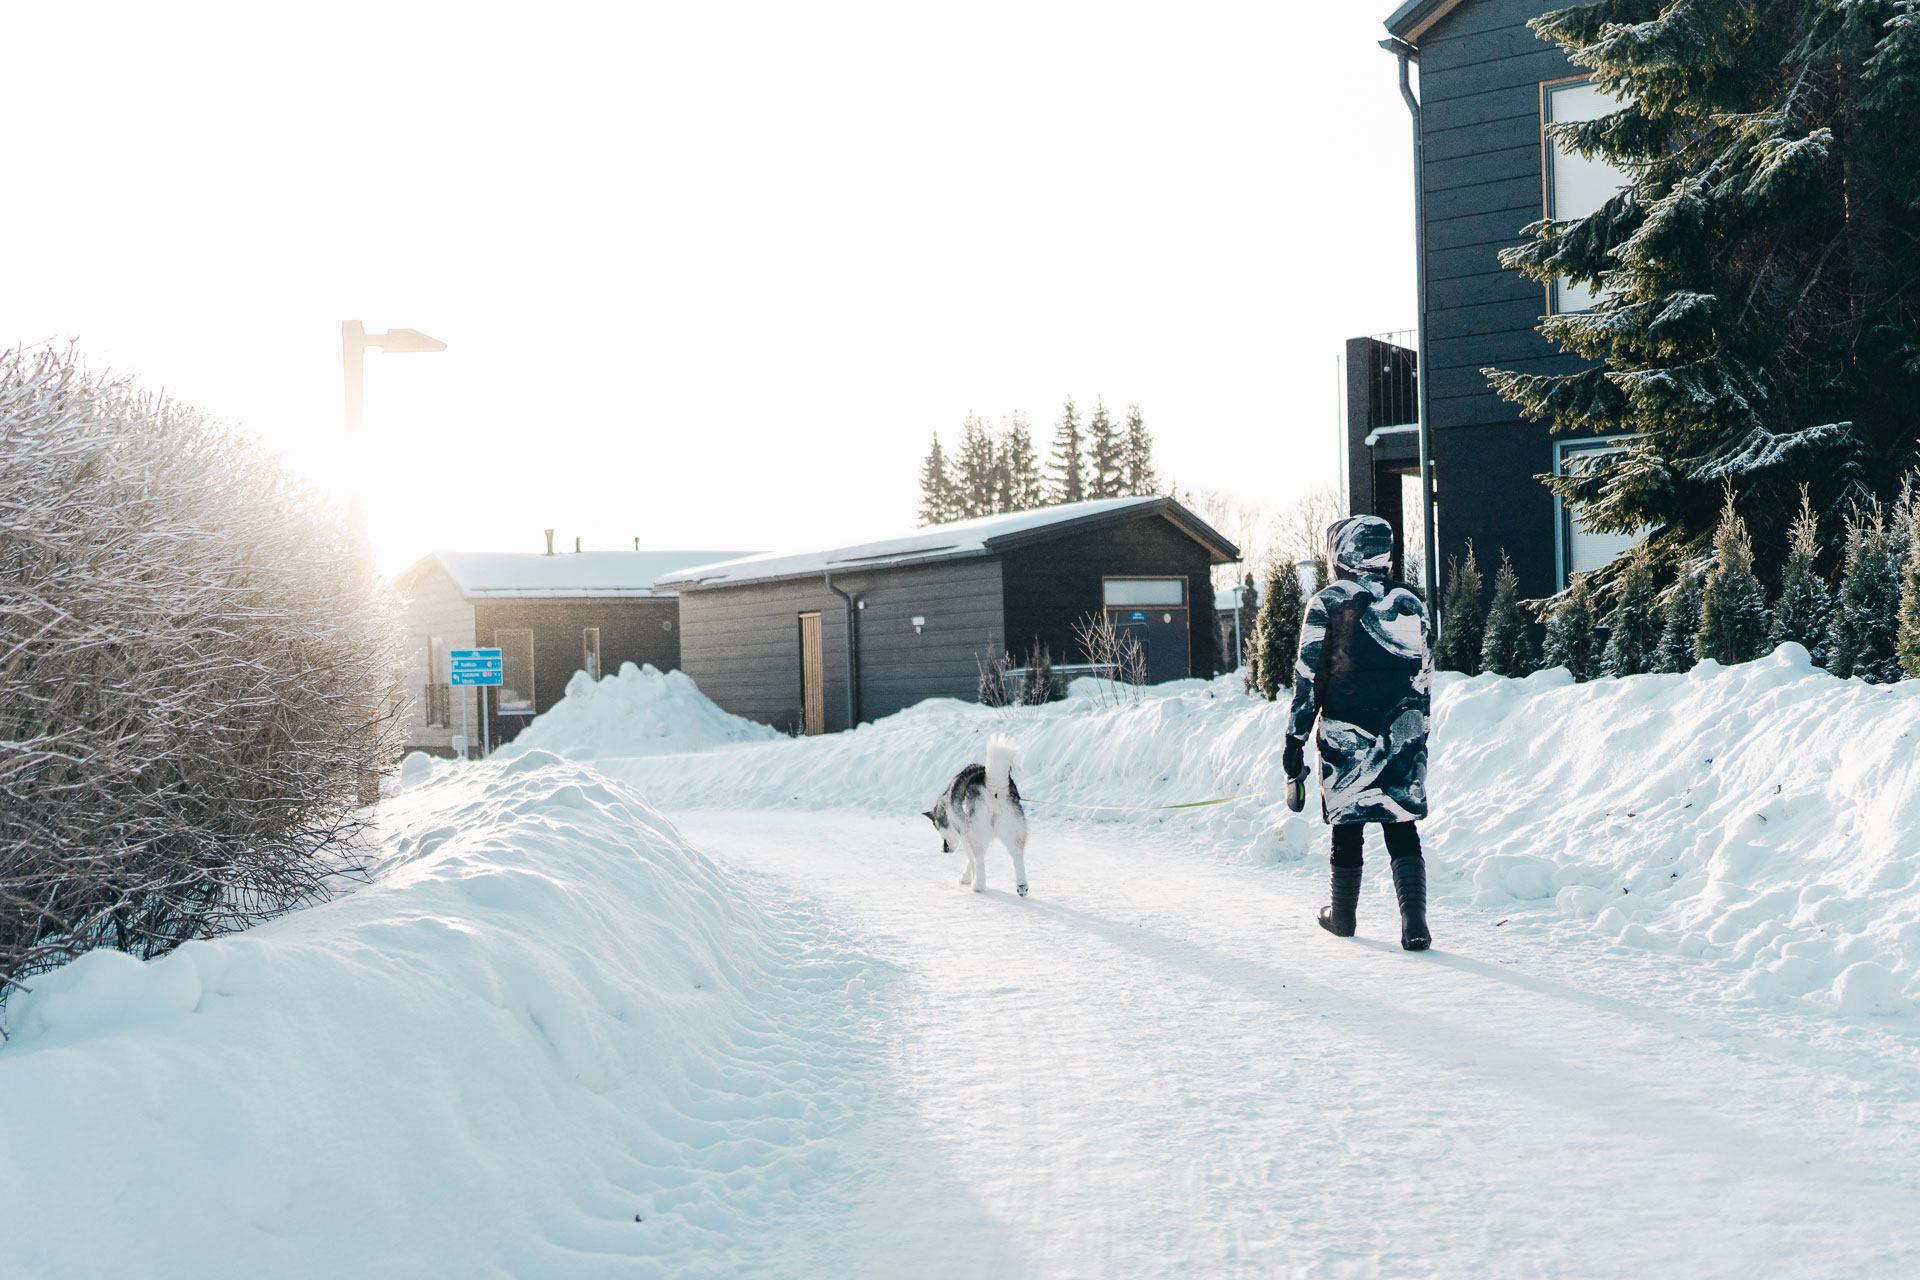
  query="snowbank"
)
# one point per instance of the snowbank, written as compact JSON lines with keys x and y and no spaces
{"x":548,"y":1039}
{"x":638,"y":712}
{"x":1764,"y":818}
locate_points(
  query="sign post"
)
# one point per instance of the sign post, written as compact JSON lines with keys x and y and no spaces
{"x":484,"y":668}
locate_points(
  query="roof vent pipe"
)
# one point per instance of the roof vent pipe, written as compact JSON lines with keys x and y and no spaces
{"x":576,"y":546}
{"x":549,"y":542}
{"x":636,"y":542}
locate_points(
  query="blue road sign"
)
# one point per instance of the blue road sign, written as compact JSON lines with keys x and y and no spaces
{"x":476,"y":666}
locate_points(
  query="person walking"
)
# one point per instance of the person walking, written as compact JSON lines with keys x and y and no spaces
{"x":1365,"y":672}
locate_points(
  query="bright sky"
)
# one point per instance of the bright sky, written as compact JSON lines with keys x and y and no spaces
{"x":710,"y":274}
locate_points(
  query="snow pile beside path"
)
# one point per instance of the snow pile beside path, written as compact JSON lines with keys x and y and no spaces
{"x":546,"y":1020}
{"x":1765,"y":818}
{"x":639,"y":712}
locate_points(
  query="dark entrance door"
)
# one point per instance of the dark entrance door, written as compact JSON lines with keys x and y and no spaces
{"x":1162,"y":635}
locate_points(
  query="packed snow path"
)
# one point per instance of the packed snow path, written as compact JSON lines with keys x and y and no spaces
{"x":1158,"y":1064}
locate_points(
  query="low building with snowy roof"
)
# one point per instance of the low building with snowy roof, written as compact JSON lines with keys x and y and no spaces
{"x":549,"y":614}
{"x":816,"y":641}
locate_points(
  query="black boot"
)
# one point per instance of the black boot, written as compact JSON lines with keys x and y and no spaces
{"x":1337,"y":919}
{"x":1410,"y":886}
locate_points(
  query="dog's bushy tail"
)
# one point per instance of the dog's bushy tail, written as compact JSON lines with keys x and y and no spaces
{"x":1002,"y":755}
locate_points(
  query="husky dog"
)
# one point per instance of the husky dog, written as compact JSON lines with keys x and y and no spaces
{"x":980,"y":804}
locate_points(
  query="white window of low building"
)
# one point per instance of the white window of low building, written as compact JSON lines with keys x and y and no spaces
{"x":1581,"y":549}
{"x":1164,"y":592}
{"x":515,"y":694}
{"x":1576,"y":185}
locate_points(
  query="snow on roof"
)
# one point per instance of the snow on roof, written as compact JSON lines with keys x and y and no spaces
{"x":532,"y":575}
{"x":936,"y":542}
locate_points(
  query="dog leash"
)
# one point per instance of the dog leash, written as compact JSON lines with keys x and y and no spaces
{"x":1135,"y":808}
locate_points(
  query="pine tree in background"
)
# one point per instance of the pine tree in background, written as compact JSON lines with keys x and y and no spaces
{"x":1760,"y":312}
{"x":1067,"y":477}
{"x":1137,"y":475}
{"x":1463,"y":627}
{"x":1682,"y":624}
{"x":936,"y":486}
{"x":1506,"y":650}
{"x":1573,"y":639}
{"x":1733,"y":608}
{"x":1250,"y":598}
{"x":1276,"y":633}
{"x":1021,"y":486}
{"x":1633,"y":624}
{"x":976,"y":477}
{"x":1104,"y":461}
{"x":1864,"y":638}
{"x":1804,"y":610}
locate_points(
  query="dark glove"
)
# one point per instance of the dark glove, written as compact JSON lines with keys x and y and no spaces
{"x":1294,"y":762}
{"x":1296,"y":794}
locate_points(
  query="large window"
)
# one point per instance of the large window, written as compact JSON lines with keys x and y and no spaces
{"x":1159,"y":592}
{"x":514,"y":697}
{"x":1576,"y":184}
{"x":1582,"y":550}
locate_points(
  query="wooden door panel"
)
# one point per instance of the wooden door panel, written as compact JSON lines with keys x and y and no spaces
{"x":813,"y":677}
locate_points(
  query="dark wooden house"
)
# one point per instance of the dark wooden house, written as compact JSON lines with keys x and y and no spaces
{"x":1488,"y":87}
{"x":550,"y":615}
{"x":818,"y":641}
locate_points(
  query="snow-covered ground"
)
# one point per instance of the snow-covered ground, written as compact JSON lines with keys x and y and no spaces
{"x":769,"y":1034}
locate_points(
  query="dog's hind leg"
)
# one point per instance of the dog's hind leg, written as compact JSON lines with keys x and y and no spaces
{"x":966,"y":872}
{"x":977,"y":865}
{"x":1017,"y":845}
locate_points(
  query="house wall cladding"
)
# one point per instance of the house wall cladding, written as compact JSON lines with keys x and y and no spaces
{"x":435,"y":607}
{"x":640,"y":631}
{"x":1480,"y":75}
{"x":1054,"y":586}
{"x":742,"y":644}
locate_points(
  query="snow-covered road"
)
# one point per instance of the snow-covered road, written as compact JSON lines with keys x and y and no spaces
{"x":1157,"y":1064}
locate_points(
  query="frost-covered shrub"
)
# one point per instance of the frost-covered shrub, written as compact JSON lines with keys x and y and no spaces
{"x":196,"y":681}
{"x":1733,"y":608}
{"x":1864,"y":638}
{"x":1275,"y":643}
{"x":1805,"y":605}
{"x":1681,"y":628}
{"x":1633,"y":624}
{"x":1573,"y":639}
{"x":1506,"y":650}
{"x":1463,"y":625}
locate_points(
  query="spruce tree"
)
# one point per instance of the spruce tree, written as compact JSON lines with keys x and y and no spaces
{"x":1864,"y":638}
{"x":1250,"y":598}
{"x":1463,"y":626}
{"x":1138,"y":476}
{"x":1759,"y":313}
{"x":1104,"y":463}
{"x":1066,"y":472}
{"x":936,"y":486}
{"x":1682,"y":624}
{"x":1733,"y":608}
{"x":1021,"y":487}
{"x":976,"y":479}
{"x":1633,"y":624}
{"x":1276,"y":632}
{"x":1506,"y":650}
{"x":1908,"y":641}
{"x":1573,"y":640}
{"x":1805,"y":606}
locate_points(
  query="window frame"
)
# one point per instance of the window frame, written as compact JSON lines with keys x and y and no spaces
{"x":1562,"y":510}
{"x":500,"y":706}
{"x":1547,"y":88}
{"x":1106,"y":580}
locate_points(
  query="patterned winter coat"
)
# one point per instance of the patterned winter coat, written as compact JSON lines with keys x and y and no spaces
{"x":1365,"y":671}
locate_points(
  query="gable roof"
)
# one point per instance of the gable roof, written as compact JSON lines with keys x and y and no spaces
{"x":985,"y":535}
{"x":531,"y":575}
{"x":1413,"y":19}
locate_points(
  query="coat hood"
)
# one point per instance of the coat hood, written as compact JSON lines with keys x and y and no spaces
{"x":1360,"y":544}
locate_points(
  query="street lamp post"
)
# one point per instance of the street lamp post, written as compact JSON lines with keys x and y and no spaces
{"x":354,"y":341}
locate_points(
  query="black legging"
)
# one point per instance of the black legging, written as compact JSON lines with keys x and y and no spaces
{"x":1403,"y":841}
